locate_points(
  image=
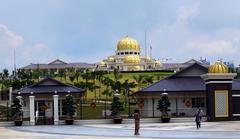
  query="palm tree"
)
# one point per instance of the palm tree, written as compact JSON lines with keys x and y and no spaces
{"x":78,"y":74}
{"x":100,"y":80}
{"x":117,"y":75}
{"x":5,"y":73}
{"x":127,"y":86}
{"x":87,"y":76}
{"x":108,"y":83}
{"x":61,"y":73}
{"x":71,"y":76}
{"x":148,"y":79}
{"x":139,"y":80}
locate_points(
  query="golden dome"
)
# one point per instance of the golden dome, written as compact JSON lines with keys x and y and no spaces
{"x":128,"y":43}
{"x":218,"y":67}
{"x":133,"y":59}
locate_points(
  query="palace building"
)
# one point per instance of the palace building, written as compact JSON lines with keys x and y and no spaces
{"x":213,"y":88}
{"x":128,"y":57}
{"x":57,"y":65}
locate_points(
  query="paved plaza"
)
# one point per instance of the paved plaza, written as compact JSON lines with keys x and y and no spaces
{"x":187,"y":130}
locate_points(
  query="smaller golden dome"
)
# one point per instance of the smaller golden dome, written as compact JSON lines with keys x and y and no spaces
{"x":102,"y":63}
{"x":148,"y":58}
{"x":128,"y":43}
{"x":134,"y":68}
{"x":158,"y":63}
{"x":110,"y":58}
{"x":133,"y":59}
{"x":218,"y":67}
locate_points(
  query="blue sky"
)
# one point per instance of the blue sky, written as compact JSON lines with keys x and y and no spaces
{"x":88,"y":30}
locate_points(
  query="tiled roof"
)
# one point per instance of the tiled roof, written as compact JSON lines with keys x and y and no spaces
{"x":49,"y":86}
{"x":54,"y":66}
{"x":177,"y":85}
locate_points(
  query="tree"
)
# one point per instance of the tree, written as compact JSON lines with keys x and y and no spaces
{"x":163,"y":105}
{"x":148,"y":79}
{"x":86,"y":75}
{"x":127,"y":86}
{"x":116,"y":74}
{"x":99,"y":77}
{"x":69,"y":106}
{"x":78,"y":73}
{"x":61,"y":73}
{"x":16,"y":109}
{"x":116,"y":107}
{"x":139,"y":80}
{"x":5,"y":73}
{"x":71,"y":76}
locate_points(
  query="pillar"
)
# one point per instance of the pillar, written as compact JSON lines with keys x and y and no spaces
{"x":32,"y":110}
{"x":10,"y":95}
{"x":219,"y":96}
{"x":55,"y":113}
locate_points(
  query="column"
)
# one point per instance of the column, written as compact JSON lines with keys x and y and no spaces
{"x":10,"y":95}
{"x":55,"y":113}
{"x":31,"y":108}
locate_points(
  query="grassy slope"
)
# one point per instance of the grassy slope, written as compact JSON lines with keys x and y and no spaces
{"x":125,"y":76}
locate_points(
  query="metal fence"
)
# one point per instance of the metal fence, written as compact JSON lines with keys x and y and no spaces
{"x":5,"y":111}
{"x":100,"y":109}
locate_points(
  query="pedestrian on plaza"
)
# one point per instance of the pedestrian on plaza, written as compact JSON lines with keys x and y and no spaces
{"x":198,"y":117}
{"x":201,"y":113}
{"x":136,"y":117}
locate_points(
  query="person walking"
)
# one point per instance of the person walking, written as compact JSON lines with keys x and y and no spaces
{"x":136,"y":117}
{"x":198,"y":118}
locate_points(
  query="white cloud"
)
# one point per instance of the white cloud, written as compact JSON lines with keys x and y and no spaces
{"x":25,"y":53}
{"x":184,"y":13}
{"x":180,"y":41}
{"x":167,"y":39}
{"x":9,"y":38}
{"x":220,"y":43}
{"x":212,"y":47}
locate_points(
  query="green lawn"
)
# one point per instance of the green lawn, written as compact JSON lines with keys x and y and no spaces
{"x":125,"y":76}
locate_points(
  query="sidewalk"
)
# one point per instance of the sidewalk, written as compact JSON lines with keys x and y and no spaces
{"x":187,"y":130}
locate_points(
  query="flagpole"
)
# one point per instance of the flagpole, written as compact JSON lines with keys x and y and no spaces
{"x":14,"y":60}
{"x":145,"y":44}
{"x":150,"y":51}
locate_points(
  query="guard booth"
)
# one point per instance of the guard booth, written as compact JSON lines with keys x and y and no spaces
{"x":42,"y":102}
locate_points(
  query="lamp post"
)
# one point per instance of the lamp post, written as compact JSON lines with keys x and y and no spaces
{"x":20,"y":98}
{"x":164,"y":92}
{"x":116,"y":94}
{"x":129,"y":109}
{"x":105,"y":107}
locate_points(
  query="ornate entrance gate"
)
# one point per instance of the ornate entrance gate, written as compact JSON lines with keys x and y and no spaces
{"x":44,"y":112}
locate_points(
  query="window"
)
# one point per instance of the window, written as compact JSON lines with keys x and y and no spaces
{"x":122,"y":53}
{"x":131,"y":52}
{"x":135,"y":53}
{"x":198,"y":102}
